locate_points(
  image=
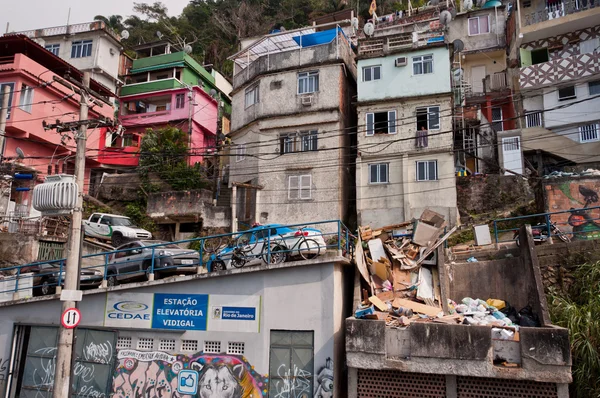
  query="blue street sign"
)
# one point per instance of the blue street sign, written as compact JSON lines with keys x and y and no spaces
{"x":180,"y":311}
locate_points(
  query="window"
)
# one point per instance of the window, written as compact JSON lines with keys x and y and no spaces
{"x":123,"y":342}
{"x":422,"y":64}
{"x":240,"y":152}
{"x":479,"y":25}
{"x":95,"y":218}
{"x":291,"y":358}
{"x":10,"y":95}
{"x":381,"y":123}
{"x":166,"y":345}
{"x":589,"y":46}
{"x":106,"y":220}
{"x":539,"y":56}
{"x":299,"y":187}
{"x":308,"y":82}
{"x":497,"y":119}
{"x":189,"y":345}
{"x":179,"y":101}
{"x":212,"y":347}
{"x":371,"y":73}
{"x":235,"y":348}
{"x":428,"y":117}
{"x":427,"y":170}
{"x":379,"y":173}
{"x":252,"y":95}
{"x":53,"y":48}
{"x":594,"y":87}
{"x":566,"y":93}
{"x":304,"y":141}
{"x":81,"y":48}
{"x":145,"y":343}
{"x":589,"y":133}
{"x":26,"y":99}
{"x":130,"y":139}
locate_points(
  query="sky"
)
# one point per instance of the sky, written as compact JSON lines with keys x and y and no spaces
{"x":35,"y":14}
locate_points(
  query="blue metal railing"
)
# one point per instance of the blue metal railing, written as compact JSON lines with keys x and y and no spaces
{"x":580,"y":224}
{"x":155,"y":259}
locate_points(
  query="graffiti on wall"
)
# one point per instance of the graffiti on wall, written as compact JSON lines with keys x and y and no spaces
{"x":324,"y":387}
{"x":579,"y":196}
{"x":154,"y":375}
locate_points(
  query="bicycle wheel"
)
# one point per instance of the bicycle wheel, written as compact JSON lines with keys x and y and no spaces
{"x":246,"y":242}
{"x":211,"y":245}
{"x":309,"y":249}
{"x":238,"y":260}
{"x":278,"y":254}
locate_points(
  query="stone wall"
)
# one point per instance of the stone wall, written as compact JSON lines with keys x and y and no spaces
{"x":17,"y":249}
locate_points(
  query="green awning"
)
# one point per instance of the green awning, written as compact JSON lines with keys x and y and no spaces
{"x":157,"y":67}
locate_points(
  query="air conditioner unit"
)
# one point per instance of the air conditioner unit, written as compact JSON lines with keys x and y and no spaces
{"x":307,"y":101}
{"x":401,"y":61}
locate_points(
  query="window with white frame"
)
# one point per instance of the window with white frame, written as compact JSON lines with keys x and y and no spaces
{"x":240,"y":152}
{"x":308,"y":82}
{"x":422,"y":64}
{"x":594,"y":87}
{"x":299,"y":187}
{"x":381,"y":123}
{"x":81,"y":49}
{"x":371,"y":73}
{"x":252,"y":95}
{"x":428,"y":117}
{"x":26,"y":98}
{"x":10,"y":95}
{"x":53,"y":48}
{"x":303,"y":141}
{"x":179,"y":101}
{"x":379,"y":173}
{"x":566,"y":93}
{"x":427,"y":170}
{"x":589,"y":133}
{"x":479,"y":25}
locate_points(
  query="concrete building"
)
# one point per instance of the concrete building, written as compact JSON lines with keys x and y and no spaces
{"x":292,"y":128}
{"x":90,"y":47}
{"x":483,"y":97}
{"x":556,"y":45}
{"x":455,"y":360}
{"x":245,"y":332}
{"x":405,"y":161}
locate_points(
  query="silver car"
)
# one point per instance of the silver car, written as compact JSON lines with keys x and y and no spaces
{"x":134,"y":260}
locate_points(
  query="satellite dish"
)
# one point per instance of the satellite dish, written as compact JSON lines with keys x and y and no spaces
{"x":468,"y":5}
{"x":354,"y":24}
{"x":213,"y":92}
{"x":453,"y":12}
{"x":433,"y":2}
{"x":187,"y":48}
{"x":159,"y":34}
{"x":125,"y":35}
{"x":445,"y":17}
{"x":369,"y":28}
{"x":20,"y":153}
{"x":458,"y":45}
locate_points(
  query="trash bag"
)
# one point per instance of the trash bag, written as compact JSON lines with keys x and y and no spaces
{"x":528,"y":318}
{"x":511,"y":313}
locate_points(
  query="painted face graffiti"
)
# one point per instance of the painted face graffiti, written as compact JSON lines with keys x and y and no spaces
{"x":325,"y":381}
{"x":220,"y":382}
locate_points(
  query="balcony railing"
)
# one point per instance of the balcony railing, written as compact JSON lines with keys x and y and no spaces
{"x":382,"y":45}
{"x":560,"y":70}
{"x":68,"y":30}
{"x":557,"y":10}
{"x":533,"y":119}
{"x":497,"y":81}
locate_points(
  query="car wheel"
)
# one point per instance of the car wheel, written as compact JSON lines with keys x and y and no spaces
{"x":218,"y":266}
{"x":117,"y":239}
{"x":111,"y":281}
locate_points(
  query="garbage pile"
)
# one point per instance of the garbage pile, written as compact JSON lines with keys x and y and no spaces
{"x":399,"y":265}
{"x":585,"y":173}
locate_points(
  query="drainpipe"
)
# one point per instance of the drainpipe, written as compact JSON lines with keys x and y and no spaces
{"x":234,"y":209}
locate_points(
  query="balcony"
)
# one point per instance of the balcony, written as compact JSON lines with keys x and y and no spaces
{"x":556,"y":10}
{"x":151,"y":86}
{"x":559,"y":70}
{"x":404,"y":41}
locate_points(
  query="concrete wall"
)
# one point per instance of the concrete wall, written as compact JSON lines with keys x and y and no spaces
{"x":492,"y":192}
{"x":309,"y":306}
{"x":575,"y":114}
{"x":17,"y":249}
{"x":400,"y":82}
{"x":459,"y":29}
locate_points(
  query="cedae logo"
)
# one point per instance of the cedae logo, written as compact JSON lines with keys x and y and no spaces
{"x":129,"y":310}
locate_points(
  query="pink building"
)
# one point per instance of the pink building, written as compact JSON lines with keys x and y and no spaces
{"x":156,"y":110}
{"x":29,"y":70}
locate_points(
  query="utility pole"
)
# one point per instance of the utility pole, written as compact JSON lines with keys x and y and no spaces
{"x":3,"y":117}
{"x":63,"y":366}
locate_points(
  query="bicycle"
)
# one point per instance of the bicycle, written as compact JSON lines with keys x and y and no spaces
{"x":307,"y":248}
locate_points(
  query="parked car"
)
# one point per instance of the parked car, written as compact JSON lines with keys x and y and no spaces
{"x":45,"y":277}
{"x":249,"y":245}
{"x":114,"y":228}
{"x":133,"y":260}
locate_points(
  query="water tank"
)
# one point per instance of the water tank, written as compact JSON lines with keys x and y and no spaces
{"x":57,"y":195}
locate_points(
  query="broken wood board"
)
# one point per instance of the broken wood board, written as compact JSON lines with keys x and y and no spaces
{"x":433,"y":218}
{"x":436,"y":245}
{"x":437,"y":291}
{"x":402,"y":279}
{"x":386,"y":296}
{"x":450,"y":319}
{"x":381,"y":306}
{"x":376,"y":249}
{"x":380,"y":269}
{"x":425,"y":290}
{"x":359,"y":259}
{"x":416,"y":307}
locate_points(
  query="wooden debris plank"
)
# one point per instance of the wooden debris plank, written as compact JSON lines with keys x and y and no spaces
{"x":435,"y":246}
{"x":378,"y":303}
{"x":359,"y":259}
{"x":385,"y":296}
{"x":416,"y":307}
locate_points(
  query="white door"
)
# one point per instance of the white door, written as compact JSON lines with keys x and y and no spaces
{"x":477,"y":76}
{"x":511,"y":153}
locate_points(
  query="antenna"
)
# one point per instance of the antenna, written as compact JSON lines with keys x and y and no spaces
{"x":125,"y":34}
{"x":187,"y":48}
{"x":369,"y":29}
{"x":20,"y":153}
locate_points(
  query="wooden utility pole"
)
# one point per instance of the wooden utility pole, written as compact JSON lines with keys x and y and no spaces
{"x":62,"y":377}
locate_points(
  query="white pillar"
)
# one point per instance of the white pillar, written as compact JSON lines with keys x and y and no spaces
{"x":234,"y":209}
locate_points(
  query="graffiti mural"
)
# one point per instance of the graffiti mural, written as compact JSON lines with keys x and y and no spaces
{"x":579,"y":196}
{"x":325,"y":381}
{"x":154,"y":375}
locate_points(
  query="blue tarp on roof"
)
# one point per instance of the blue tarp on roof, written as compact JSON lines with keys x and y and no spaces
{"x":317,"y":38}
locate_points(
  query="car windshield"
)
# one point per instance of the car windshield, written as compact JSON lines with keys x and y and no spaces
{"x":121,"y":222}
{"x":163,"y":244}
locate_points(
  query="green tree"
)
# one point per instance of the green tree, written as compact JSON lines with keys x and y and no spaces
{"x":115,"y":22}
